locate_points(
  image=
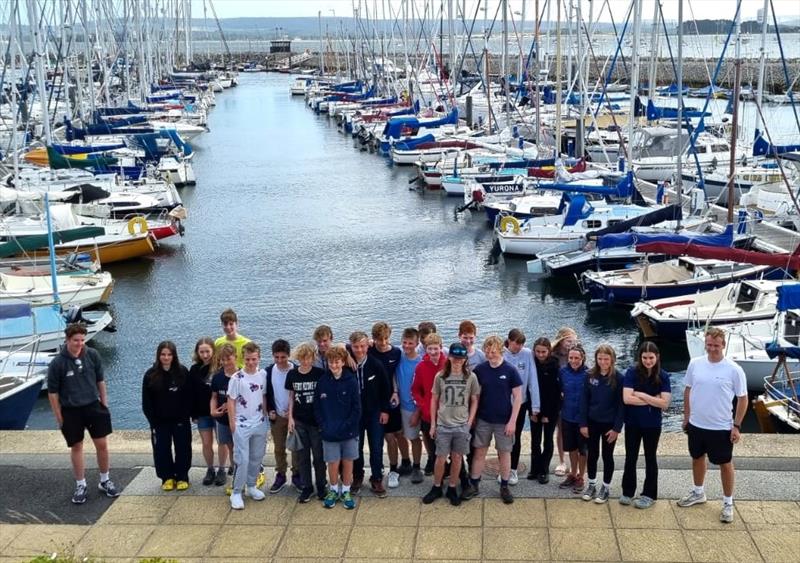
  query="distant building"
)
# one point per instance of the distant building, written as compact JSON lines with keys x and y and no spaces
{"x":280,"y":46}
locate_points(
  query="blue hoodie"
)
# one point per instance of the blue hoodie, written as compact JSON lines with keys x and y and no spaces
{"x":602,"y":403}
{"x":573,"y":384}
{"x":337,"y":406}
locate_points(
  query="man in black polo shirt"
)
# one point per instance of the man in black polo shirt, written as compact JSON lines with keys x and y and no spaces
{"x":77,"y":393}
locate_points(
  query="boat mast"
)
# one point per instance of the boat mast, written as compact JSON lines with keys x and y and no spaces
{"x":637,"y":24}
{"x":37,"y":53}
{"x":536,"y":70}
{"x":735,"y":118}
{"x":557,"y":148}
{"x":762,"y":61}
{"x":679,"y":145}
{"x":505,"y":64}
{"x":14,"y":81}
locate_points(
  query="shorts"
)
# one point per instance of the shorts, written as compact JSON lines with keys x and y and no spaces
{"x":205,"y":423}
{"x":714,"y":443}
{"x":452,"y":439}
{"x":336,"y":451}
{"x":93,"y":417}
{"x":224,"y":434}
{"x":572,"y":438}
{"x":410,"y":432}
{"x":483,"y":436}
{"x":395,"y":422}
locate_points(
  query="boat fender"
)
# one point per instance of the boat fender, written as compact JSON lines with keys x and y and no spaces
{"x":509,"y":220}
{"x":141,"y":222}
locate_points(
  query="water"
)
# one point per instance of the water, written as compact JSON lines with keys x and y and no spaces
{"x":293,"y":227}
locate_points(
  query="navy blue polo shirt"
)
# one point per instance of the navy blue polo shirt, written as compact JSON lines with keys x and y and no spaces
{"x":644,"y":416}
{"x":494,"y":405}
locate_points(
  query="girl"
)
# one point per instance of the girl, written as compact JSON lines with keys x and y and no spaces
{"x":167,"y":403}
{"x":573,"y":380}
{"x":223,"y":367}
{"x":200,"y":381}
{"x":601,"y":419}
{"x":565,"y":339}
{"x":521,"y":358}
{"x":646,"y":394}
{"x":543,"y":425}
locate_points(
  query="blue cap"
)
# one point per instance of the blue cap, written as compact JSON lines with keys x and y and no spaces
{"x":457,"y":350}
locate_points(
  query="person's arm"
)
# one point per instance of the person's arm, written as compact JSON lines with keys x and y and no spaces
{"x":269,"y":403}
{"x":434,"y":412}
{"x":290,"y":415}
{"x":516,"y":397}
{"x":583,"y":407}
{"x":741,"y":409}
{"x":101,"y":389}
{"x":232,"y":413}
{"x":55,"y":406}
{"x":686,"y":408}
{"x":418,"y":395}
{"x":473,"y":409}
{"x":660,"y":401}
{"x":630,"y":397}
{"x":619,"y":418}
{"x":147,"y":402}
{"x":534,"y":395}
{"x":384,"y":390}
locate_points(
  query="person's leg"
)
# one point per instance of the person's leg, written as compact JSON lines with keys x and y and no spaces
{"x":315,"y":439}
{"x":593,"y":450}
{"x":574,"y":463}
{"x":279,"y":428}
{"x":699,"y":471}
{"x":392,"y":450}
{"x":182,"y":438}
{"x":333,"y":474}
{"x":608,"y":456}
{"x":455,"y":468}
{"x":304,"y":455}
{"x":650,"y":437}
{"x":101,"y":451}
{"x":478,"y":460}
{"x":633,"y":437}
{"x":375,"y":437}
{"x":515,"y":451}
{"x":78,"y":463}
{"x":402,"y":446}
{"x":505,"y":464}
{"x":241,"y":457}
{"x":257,"y":449}
{"x":438,"y":470}
{"x":560,"y":442}
{"x":547,"y":450}
{"x":207,"y":439}
{"x":161,"y":438}
{"x":536,"y":448}
{"x":727,"y":475}
{"x":347,"y":472}
{"x":416,"y":451}
{"x":358,"y":463}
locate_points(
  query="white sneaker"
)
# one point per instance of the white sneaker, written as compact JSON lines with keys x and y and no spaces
{"x":394,"y":479}
{"x":726,"y":515}
{"x":513,"y":479}
{"x":255,"y":493}
{"x":237,"y":502}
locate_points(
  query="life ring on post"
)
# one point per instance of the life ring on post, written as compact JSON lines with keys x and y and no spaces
{"x":142,"y":224}
{"x":509,"y":220}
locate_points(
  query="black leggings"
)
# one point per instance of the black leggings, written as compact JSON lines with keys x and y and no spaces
{"x":517,"y":447}
{"x":634,"y":436}
{"x":598,"y":442}
{"x":542,"y":445}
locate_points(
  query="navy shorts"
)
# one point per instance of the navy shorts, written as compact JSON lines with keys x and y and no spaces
{"x":714,"y":443}
{"x":572,"y":438}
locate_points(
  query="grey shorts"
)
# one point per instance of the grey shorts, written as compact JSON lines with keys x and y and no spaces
{"x":483,"y":436}
{"x":410,"y":432}
{"x":452,"y":439}
{"x":336,"y":451}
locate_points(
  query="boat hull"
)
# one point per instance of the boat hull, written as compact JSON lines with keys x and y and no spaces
{"x":17,"y":403}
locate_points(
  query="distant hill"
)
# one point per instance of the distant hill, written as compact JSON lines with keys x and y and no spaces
{"x":719,"y":27}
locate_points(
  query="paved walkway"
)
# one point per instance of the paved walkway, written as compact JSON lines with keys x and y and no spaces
{"x":197,"y":525}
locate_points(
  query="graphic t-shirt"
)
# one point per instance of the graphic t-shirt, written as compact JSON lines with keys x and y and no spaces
{"x":454,"y":393}
{"x":303,"y":385}
{"x":247,"y":390}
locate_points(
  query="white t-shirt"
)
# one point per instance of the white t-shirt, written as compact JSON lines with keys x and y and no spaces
{"x":248,"y":391}
{"x":279,"y":391}
{"x":714,"y":385}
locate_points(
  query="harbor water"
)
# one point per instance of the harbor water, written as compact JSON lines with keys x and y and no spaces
{"x":292,"y":226}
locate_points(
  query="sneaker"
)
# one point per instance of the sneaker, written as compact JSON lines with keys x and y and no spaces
{"x":237,"y":502}
{"x":568,"y":483}
{"x":433,"y":494}
{"x":531,"y":476}
{"x":255,"y":493}
{"x":452,"y":496}
{"x":692,"y":498}
{"x":642,"y":502}
{"x":230,"y":470}
{"x":394,"y":479}
{"x":590,"y":493}
{"x":297,"y":482}
{"x":577,"y":488}
{"x":330,"y":499}
{"x":108,"y":488}
{"x":228,"y":490}
{"x":357,"y":483}
{"x":209,"y":478}
{"x":468,"y":492}
{"x":221,"y":478}
{"x":168,"y":485}
{"x":79,"y":495}
{"x":544,"y":479}
{"x":513,"y":479}
{"x":429,"y":466}
{"x":277,"y":484}
{"x":348,"y":501}
{"x":182,"y":485}
{"x":305,"y":495}
{"x":405,"y":468}
{"x":602,"y":495}
{"x":262,"y":478}
{"x":417,"y":476}
{"x":625,"y":500}
{"x":321,"y":493}
{"x":726,"y":515}
{"x":561,"y":469}
{"x":377,"y":488}
{"x":505,"y":494}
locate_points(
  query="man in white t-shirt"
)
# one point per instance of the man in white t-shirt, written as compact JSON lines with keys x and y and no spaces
{"x":712,"y":381}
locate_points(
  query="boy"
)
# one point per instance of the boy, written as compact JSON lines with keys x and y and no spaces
{"x":278,"y":412}
{"x":389,"y":357}
{"x":422,"y":388}
{"x":404,"y":376}
{"x":323,"y":336}
{"x":467,"y":333}
{"x":376,"y":393}
{"x":247,"y":408}
{"x":424,"y":329}
{"x":497,"y":414}
{"x":337,"y":408}
{"x":230,"y":326}
{"x":453,"y":406}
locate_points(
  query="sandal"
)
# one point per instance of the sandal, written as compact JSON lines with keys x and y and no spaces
{"x":561,"y":469}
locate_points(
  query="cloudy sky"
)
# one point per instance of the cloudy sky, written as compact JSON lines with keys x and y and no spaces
{"x":693,"y":9}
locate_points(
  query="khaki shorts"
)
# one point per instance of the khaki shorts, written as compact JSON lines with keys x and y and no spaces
{"x":410,"y":432}
{"x":484,"y":431}
{"x":452,"y":439}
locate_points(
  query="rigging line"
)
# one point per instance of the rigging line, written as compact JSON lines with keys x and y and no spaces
{"x":783,"y":64}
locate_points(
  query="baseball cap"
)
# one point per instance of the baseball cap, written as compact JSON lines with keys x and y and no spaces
{"x":457,"y":350}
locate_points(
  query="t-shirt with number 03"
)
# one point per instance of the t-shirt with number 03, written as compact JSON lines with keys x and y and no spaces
{"x":454,"y":393}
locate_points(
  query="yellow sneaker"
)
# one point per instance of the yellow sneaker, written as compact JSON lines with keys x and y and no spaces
{"x":168,"y":485}
{"x":228,"y":490}
{"x":182,"y":485}
{"x":260,"y":480}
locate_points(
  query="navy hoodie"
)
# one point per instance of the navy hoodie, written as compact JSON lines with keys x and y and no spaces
{"x":337,"y":406}
{"x":602,"y":403}
{"x":573,"y":384}
{"x":547,"y":373}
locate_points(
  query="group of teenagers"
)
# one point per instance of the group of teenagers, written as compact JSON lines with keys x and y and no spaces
{"x":322,"y":401}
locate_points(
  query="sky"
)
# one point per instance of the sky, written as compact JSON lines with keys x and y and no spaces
{"x":693,"y":9}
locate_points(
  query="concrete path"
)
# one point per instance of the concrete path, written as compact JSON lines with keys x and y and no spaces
{"x":544,"y":523}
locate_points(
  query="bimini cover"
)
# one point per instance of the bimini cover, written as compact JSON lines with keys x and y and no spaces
{"x":788,"y":296}
{"x":43,"y":320}
{"x":724,"y":239}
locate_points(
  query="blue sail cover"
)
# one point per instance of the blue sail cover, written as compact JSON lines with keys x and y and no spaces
{"x":148,"y":142}
{"x":82,"y":149}
{"x":654,"y":112}
{"x":413,"y":143}
{"x":762,"y":147}
{"x":622,"y":190}
{"x":724,"y":239}
{"x":788,"y":297}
